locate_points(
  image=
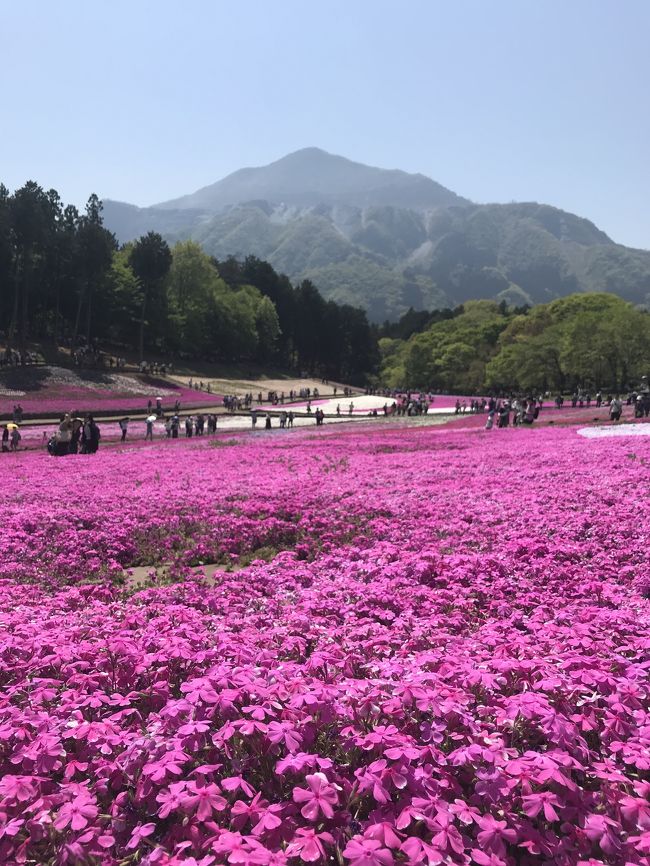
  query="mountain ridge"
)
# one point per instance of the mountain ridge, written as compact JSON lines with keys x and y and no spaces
{"x":310,"y":176}
{"x":386,"y":240}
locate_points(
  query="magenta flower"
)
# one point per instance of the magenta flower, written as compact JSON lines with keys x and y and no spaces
{"x":21,"y":788}
{"x":11,"y":828}
{"x":77,"y":814}
{"x":494,"y":834}
{"x":140,"y":832}
{"x":319,"y":798}
{"x":605,"y":832}
{"x":308,"y":844}
{"x":544,"y":800}
{"x":285,"y":733}
{"x":484,"y":859}
{"x":385,"y":832}
{"x":367,"y":852}
{"x":172,"y":799}
{"x":203,"y":800}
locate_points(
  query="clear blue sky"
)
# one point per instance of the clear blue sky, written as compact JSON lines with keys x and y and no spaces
{"x":499,"y":100}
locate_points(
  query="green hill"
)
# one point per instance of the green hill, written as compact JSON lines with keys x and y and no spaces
{"x":389,"y":240}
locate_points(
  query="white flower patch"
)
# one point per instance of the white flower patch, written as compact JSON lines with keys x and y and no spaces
{"x":607,"y":432}
{"x":111,"y":382}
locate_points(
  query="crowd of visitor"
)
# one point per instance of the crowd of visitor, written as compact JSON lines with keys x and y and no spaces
{"x":76,"y":435}
{"x":14,"y":358}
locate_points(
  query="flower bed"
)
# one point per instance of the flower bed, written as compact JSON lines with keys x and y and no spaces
{"x":444,"y":659}
{"x":51,"y":391}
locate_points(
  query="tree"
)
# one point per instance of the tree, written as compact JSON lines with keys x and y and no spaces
{"x":150,"y":260}
{"x":268,"y":328}
{"x":95,"y":246}
{"x":30,"y":213}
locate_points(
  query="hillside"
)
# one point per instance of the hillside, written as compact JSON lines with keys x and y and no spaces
{"x":388,"y":240}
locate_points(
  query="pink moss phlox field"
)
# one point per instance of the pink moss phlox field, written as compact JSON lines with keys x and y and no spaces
{"x":445,"y":659}
{"x":51,"y":391}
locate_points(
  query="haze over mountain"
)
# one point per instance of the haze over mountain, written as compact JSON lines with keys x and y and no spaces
{"x":387,"y":240}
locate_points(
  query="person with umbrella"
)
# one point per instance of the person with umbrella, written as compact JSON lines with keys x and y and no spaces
{"x":149,"y":422}
{"x":14,"y":434}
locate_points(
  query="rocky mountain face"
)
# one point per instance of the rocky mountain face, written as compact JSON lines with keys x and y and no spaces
{"x":389,"y":240}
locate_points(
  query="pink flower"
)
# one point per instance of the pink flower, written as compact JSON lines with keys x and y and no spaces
{"x":544,"y":800}
{"x":76,"y":813}
{"x":385,"y":832}
{"x":418,"y":851}
{"x":319,"y":798}
{"x":140,"y":832}
{"x":171,"y":799}
{"x":284,"y":732}
{"x":204,"y":800}
{"x":11,"y":828}
{"x":21,"y":788}
{"x":493,"y":834}
{"x":636,"y":810}
{"x":604,"y":831}
{"x":308,"y":844}
{"x":484,"y":859}
{"x":367,"y":852}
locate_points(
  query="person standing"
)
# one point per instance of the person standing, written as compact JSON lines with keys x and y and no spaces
{"x":149,"y":433}
{"x":124,"y":426}
{"x":15,"y":439}
{"x":267,"y":423}
{"x":95,"y":436}
{"x":615,"y":409}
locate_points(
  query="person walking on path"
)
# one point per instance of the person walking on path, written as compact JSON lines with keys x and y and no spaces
{"x":124,"y":426}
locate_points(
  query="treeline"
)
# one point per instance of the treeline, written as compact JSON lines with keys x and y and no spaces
{"x":64,"y":279}
{"x":592,"y":340}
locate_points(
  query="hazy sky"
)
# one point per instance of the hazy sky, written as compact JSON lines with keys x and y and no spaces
{"x":499,"y":100}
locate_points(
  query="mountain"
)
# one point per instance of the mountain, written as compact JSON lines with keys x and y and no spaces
{"x":310,"y":177}
{"x":389,"y":240}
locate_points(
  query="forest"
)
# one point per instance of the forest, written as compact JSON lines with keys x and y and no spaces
{"x":590,"y":340}
{"x":65,"y":280}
